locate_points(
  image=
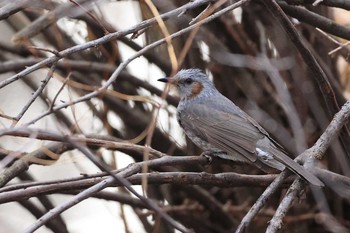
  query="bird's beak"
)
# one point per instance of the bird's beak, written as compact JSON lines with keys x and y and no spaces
{"x":164,"y":80}
{"x":167,"y":80}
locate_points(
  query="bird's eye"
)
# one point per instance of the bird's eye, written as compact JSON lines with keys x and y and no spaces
{"x":188,"y":81}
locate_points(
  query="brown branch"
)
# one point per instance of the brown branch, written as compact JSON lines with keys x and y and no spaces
{"x":318,"y":74}
{"x":292,"y":194}
{"x":333,"y":3}
{"x":113,"y":196}
{"x":23,"y":163}
{"x":105,"y":141}
{"x":53,"y":224}
{"x":316,"y":20}
{"x":317,"y":151}
{"x":124,"y":64}
{"x":81,"y":65}
{"x":339,"y":120}
{"x":102,"y":40}
{"x":9,"y":8}
{"x":224,"y":180}
{"x":120,"y":177}
{"x":44,"y":21}
{"x":36,"y":93}
{"x":259,"y":204}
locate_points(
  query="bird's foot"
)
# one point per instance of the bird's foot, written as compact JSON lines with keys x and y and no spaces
{"x":209,"y":157}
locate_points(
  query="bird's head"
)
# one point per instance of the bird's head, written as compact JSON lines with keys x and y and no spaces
{"x":190,"y":83}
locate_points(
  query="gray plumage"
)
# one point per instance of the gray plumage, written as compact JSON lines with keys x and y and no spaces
{"x":221,"y":128}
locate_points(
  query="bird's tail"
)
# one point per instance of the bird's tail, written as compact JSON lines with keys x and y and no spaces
{"x":296,"y":168}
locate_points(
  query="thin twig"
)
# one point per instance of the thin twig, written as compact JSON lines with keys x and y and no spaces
{"x":224,"y":180}
{"x":150,"y":203}
{"x":309,"y":59}
{"x":101,"y":40}
{"x":116,"y":73}
{"x":259,"y":204}
{"x":317,"y":151}
{"x":120,"y":177}
{"x":36,"y":93}
{"x":293,"y":192}
{"x":339,"y":120}
{"x":318,"y":73}
{"x":175,"y":67}
{"x":316,"y":20}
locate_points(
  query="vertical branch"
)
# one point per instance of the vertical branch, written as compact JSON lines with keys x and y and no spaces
{"x":317,"y":72}
{"x":262,"y":200}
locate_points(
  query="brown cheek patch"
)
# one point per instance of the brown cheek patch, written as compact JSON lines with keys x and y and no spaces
{"x":196,"y":89}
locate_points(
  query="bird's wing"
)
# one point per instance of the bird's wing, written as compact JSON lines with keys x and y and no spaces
{"x":235,"y":132}
{"x":229,"y":132}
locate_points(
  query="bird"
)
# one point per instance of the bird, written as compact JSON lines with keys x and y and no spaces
{"x":220,"y":128}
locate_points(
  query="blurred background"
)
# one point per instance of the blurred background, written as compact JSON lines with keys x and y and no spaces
{"x":246,"y":52}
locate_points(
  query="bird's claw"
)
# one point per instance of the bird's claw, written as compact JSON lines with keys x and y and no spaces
{"x":207,"y":156}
